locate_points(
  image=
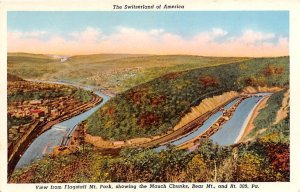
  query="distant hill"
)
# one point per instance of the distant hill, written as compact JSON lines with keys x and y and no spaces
{"x":11,"y":77}
{"x":117,"y":72}
{"x":31,"y":55}
{"x":96,"y":58}
{"x":28,"y":57}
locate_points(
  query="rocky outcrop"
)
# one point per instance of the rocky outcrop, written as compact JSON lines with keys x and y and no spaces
{"x":206,"y":105}
{"x":250,"y":89}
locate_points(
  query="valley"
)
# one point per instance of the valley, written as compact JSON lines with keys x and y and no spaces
{"x":180,"y":113}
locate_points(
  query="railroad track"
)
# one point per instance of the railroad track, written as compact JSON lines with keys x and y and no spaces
{"x":185,"y":130}
{"x":227,"y":115}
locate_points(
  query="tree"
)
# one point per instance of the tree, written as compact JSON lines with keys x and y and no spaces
{"x":197,"y":169}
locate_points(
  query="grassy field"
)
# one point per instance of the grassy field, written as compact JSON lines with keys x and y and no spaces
{"x":116,"y":72}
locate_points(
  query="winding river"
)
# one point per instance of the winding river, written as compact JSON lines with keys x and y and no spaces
{"x":232,"y":130}
{"x":45,"y":142}
{"x":229,"y":134}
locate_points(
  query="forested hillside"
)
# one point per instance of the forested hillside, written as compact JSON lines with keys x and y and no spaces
{"x":156,"y":106}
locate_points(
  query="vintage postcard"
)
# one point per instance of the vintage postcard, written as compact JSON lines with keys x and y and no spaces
{"x":149,"y":95}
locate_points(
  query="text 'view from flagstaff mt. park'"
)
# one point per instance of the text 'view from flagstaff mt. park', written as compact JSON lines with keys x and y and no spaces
{"x":131,"y":96}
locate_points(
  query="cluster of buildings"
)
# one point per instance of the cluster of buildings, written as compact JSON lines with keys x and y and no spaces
{"x":114,"y":77}
{"x":38,"y":110}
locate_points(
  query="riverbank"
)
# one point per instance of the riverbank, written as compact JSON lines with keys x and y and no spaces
{"x":283,"y":111}
{"x":249,"y":123}
{"x":215,"y":127}
{"x":170,"y":136}
{"x":16,"y":152}
{"x":280,"y":115}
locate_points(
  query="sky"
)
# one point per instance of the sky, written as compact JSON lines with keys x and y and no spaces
{"x":206,"y":33}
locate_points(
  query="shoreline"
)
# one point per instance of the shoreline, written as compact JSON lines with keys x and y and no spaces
{"x":213,"y":127}
{"x":21,"y":147}
{"x":248,"y":124}
{"x":170,"y":136}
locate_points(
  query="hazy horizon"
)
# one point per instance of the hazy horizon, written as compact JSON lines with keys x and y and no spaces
{"x":201,"y":33}
{"x":50,"y":54}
